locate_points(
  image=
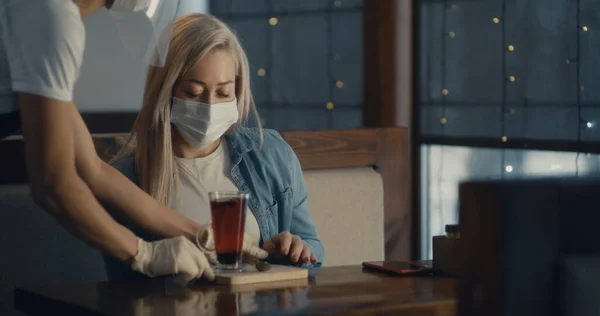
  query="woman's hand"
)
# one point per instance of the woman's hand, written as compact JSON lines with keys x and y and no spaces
{"x":286,"y":245}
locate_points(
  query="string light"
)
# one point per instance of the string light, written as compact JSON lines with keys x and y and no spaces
{"x":262,"y":72}
{"x":509,"y":168}
{"x":443,"y":60}
{"x":504,"y":139}
{"x":512,"y":111}
{"x":273,"y":21}
{"x":269,"y":115}
{"x":584,"y":28}
{"x":332,"y":81}
{"x":496,"y":20}
{"x":512,"y":78}
{"x":511,"y":48}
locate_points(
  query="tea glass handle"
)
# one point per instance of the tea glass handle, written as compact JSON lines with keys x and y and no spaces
{"x":199,"y":244}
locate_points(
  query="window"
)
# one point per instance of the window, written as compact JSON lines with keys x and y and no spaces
{"x":499,"y":80}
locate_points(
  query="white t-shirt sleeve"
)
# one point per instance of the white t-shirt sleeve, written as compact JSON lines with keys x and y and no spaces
{"x":45,"y":41}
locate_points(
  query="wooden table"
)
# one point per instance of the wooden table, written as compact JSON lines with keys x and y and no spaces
{"x":332,"y":291}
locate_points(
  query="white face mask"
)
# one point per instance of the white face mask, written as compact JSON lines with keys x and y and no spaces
{"x":200,"y":123}
{"x":145,"y":27}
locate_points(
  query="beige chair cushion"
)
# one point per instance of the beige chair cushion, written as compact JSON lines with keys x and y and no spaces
{"x":347,"y":208}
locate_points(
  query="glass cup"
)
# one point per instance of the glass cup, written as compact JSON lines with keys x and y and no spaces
{"x":228,"y":212}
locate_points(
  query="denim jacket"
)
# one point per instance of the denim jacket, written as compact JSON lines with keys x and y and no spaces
{"x":272,"y":175}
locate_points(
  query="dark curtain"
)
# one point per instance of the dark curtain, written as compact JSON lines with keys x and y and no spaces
{"x":305,"y":59}
{"x":522,"y":76}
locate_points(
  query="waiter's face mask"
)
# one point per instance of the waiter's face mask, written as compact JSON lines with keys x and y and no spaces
{"x":145,"y":27}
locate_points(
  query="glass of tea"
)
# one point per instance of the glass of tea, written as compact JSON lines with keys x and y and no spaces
{"x":228,"y":212}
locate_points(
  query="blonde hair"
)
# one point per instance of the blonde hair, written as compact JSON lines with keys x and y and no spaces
{"x":194,"y":36}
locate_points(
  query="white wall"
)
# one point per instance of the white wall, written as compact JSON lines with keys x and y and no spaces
{"x":111,"y":79}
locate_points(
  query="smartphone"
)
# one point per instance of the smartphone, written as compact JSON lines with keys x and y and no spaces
{"x":398,"y":267}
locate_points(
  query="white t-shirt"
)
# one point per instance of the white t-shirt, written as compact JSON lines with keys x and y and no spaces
{"x":198,"y":177}
{"x":41,"y":49}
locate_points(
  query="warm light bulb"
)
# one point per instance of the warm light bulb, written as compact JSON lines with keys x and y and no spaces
{"x":584,"y":28}
{"x":262,"y":72}
{"x":508,"y":168}
{"x":273,"y":21}
{"x":512,"y":78}
{"x":589,"y":124}
{"x":511,"y":48}
{"x":504,"y":139}
{"x":443,"y":120}
{"x":445,"y":91}
{"x":451,"y":34}
{"x":329,"y":105}
{"x":339,"y":84}
{"x":496,"y":20}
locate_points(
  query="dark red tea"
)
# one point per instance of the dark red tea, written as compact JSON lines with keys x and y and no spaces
{"x":228,"y":219}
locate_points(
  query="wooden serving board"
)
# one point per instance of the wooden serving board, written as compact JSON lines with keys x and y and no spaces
{"x":251,"y":275}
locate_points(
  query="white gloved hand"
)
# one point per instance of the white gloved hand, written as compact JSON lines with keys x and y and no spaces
{"x":171,"y":256}
{"x":206,"y":242}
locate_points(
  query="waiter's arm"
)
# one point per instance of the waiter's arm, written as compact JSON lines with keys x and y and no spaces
{"x":48,"y":132}
{"x":64,"y":167}
{"x":114,"y":189}
{"x":68,"y":178}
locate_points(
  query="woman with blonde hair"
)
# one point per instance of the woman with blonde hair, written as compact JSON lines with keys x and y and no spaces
{"x":189,"y":139}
